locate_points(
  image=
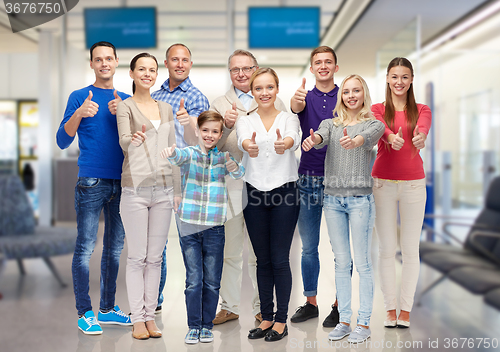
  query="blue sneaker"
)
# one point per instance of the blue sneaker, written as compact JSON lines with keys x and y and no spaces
{"x":206,"y":335}
{"x":359,"y":335}
{"x":89,"y":325}
{"x":115,"y":316}
{"x":192,"y":337}
{"x":340,"y":331}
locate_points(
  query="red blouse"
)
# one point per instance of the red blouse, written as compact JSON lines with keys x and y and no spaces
{"x":404,"y":164}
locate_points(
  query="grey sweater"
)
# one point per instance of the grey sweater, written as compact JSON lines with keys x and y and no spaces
{"x":347,"y":172}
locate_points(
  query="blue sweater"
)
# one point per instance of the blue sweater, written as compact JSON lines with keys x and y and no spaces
{"x":100,"y":153}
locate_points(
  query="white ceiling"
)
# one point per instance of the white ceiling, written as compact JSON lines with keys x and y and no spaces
{"x":202,"y":26}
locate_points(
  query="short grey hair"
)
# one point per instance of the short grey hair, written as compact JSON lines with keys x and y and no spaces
{"x":241,"y":52}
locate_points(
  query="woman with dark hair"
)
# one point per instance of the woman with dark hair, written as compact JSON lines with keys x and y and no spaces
{"x":268,"y":138}
{"x":149,"y":184}
{"x":400,"y":185}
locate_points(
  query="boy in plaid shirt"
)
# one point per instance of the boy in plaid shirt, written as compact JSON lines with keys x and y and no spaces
{"x":202,"y":214}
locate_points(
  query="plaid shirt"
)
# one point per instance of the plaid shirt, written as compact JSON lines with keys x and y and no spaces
{"x":204,"y":195}
{"x":194,"y":103}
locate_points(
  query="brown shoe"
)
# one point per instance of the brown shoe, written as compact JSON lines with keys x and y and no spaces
{"x":258,"y":317}
{"x":153,"y":329}
{"x":223,"y":316}
{"x":139,"y":331}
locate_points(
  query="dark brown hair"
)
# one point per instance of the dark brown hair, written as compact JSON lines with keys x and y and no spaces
{"x":134,"y":62}
{"x":95,"y":45}
{"x":210,"y":115}
{"x":411,"y":108}
{"x":323,"y":49}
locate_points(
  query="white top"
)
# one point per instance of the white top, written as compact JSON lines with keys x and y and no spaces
{"x":156,"y":123}
{"x":269,"y":170}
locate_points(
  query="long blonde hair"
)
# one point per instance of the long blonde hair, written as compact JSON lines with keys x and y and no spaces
{"x":340,"y":114}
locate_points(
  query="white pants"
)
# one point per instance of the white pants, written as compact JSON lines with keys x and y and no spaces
{"x":409,"y":197}
{"x":232,"y":271}
{"x":146,"y":215}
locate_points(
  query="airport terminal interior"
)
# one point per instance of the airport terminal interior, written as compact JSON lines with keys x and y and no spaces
{"x":454,"y":46}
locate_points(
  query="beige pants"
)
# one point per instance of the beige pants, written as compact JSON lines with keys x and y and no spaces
{"x":232,"y":271}
{"x":409,"y":197}
{"x":146,"y":215}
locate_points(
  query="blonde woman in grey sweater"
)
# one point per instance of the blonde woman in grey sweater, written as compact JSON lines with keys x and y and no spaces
{"x":149,"y":186}
{"x":350,"y":137}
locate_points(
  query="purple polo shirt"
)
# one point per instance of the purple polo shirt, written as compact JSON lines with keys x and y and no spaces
{"x":319,"y":107}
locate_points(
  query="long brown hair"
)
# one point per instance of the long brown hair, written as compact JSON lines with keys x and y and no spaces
{"x":411,"y":108}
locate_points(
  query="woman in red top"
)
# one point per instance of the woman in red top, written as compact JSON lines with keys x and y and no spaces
{"x":399,"y":184}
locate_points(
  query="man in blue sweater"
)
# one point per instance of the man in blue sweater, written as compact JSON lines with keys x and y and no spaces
{"x":90,"y":112}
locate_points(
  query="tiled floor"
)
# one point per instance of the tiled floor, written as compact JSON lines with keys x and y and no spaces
{"x":37,"y":315}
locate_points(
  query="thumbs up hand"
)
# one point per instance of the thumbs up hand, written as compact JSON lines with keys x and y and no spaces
{"x":419,"y":138}
{"x":182,"y":114}
{"x":139,"y":137}
{"x":168,"y":152}
{"x":231,"y":166}
{"x":114,"y":103}
{"x":397,"y":141}
{"x":309,"y":142}
{"x":279,"y":144}
{"x":230,"y":116}
{"x":89,"y":108}
{"x":251,"y":146}
{"x":347,"y":142}
{"x":300,"y":93}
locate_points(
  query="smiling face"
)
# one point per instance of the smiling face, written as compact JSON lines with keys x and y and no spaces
{"x":323,"y":67}
{"x":104,"y":63}
{"x":210,"y":133}
{"x":241,"y":80}
{"x":178,"y":64}
{"x":399,"y":80}
{"x":144,"y":73}
{"x":264,"y":90}
{"x":353,"y":96}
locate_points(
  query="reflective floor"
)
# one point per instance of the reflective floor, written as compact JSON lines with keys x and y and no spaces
{"x":36,"y":314}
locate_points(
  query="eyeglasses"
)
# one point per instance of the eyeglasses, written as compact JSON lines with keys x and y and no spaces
{"x":246,"y":69}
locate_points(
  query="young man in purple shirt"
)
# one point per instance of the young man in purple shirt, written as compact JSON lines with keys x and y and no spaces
{"x":312,"y":107}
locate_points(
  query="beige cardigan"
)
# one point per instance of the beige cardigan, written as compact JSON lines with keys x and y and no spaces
{"x":229,"y":142}
{"x":143,"y":166}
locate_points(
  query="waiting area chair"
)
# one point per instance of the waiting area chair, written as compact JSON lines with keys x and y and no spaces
{"x":476,"y":264}
{"x":20,"y":238}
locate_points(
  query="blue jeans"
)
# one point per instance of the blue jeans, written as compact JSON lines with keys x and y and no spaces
{"x":203,"y":255}
{"x":359,"y":213}
{"x":311,"y":207}
{"x":271,"y":218}
{"x":163,"y":275}
{"x":93,"y":195}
